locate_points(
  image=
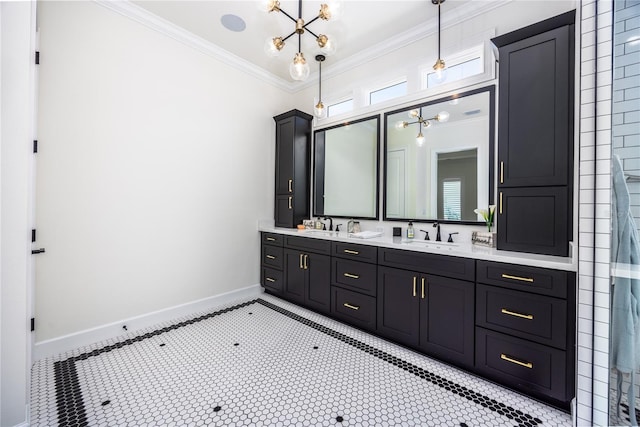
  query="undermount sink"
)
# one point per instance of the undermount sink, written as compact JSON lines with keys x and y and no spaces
{"x":430,"y":244}
{"x":320,"y":233}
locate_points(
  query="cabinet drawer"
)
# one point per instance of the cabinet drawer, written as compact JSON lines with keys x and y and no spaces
{"x":272,"y":256}
{"x":355,"y":252}
{"x":272,"y":280}
{"x":272,"y":239}
{"x":531,"y":279}
{"x":358,"y":276}
{"x":308,"y":244}
{"x":441,"y":265}
{"x":522,"y":314}
{"x":522,"y":364}
{"x":353,"y":307}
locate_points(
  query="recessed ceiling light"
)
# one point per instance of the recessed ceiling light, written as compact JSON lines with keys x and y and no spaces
{"x":233,"y":23}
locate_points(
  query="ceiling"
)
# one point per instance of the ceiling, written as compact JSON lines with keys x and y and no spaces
{"x":364,"y":25}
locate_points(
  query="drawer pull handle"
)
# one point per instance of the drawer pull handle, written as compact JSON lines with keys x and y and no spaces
{"x":290,"y":185}
{"x":517,"y":362}
{"x":415,"y":279}
{"x":300,"y":263}
{"x":349,"y":251}
{"x":513,"y":313}
{"x":352,"y":307}
{"x":269,"y":279}
{"x":351,"y":276}
{"x":501,"y":172}
{"x":270,"y":239}
{"x":522,"y":279}
{"x":423,"y":288}
{"x":270,"y":257}
{"x":290,"y":200}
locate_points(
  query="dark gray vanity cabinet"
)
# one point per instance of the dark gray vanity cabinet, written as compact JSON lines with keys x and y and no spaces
{"x":292,"y":169}
{"x":307,"y":267}
{"x":525,"y":329}
{"x":272,"y":263}
{"x":430,"y":312}
{"x":535,"y":137}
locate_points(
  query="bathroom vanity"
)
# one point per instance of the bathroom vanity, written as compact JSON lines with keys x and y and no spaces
{"x":507,"y":316}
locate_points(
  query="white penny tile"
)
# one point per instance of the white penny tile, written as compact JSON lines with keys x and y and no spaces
{"x":267,"y":362}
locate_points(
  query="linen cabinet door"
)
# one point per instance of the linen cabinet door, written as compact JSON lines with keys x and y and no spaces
{"x":318,"y":288}
{"x":447,"y":319}
{"x":398,"y":305}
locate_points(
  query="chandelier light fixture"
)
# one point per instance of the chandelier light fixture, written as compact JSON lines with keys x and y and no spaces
{"x":439,"y":66}
{"x":319,"y":111}
{"x":299,"y":69}
{"x":442,"y":116}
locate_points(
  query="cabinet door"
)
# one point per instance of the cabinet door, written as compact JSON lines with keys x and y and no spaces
{"x":318,"y":285}
{"x":285,"y":131}
{"x":284,"y":211}
{"x":534,"y":220}
{"x":535,"y":133}
{"x":294,"y":275}
{"x":398,"y":305}
{"x":447,"y":318}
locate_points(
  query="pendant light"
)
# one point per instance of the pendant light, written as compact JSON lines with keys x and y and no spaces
{"x":299,"y":68}
{"x":319,"y":111}
{"x":439,"y":66}
{"x":441,"y":117}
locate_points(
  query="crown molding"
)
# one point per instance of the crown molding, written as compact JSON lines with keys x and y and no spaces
{"x":156,"y":23}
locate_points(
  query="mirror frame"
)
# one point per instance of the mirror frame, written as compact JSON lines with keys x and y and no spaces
{"x":492,"y":143}
{"x":319,"y":164}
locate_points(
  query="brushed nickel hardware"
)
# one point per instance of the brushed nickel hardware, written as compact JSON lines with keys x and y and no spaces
{"x":423,"y":288}
{"x":517,"y":362}
{"x":349,"y":251}
{"x":501,"y":172}
{"x":501,"y":203}
{"x":270,"y":257}
{"x":270,"y":239}
{"x":351,"y":276}
{"x":301,"y":267}
{"x":415,"y":279}
{"x":290,"y":185}
{"x":290,"y":200}
{"x":513,"y":313}
{"x":522,"y":279}
{"x":352,"y":307}
{"x":306,"y":262}
{"x":269,"y":279}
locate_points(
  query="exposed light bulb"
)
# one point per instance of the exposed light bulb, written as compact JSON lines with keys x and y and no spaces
{"x":299,"y":69}
{"x":414,"y":113}
{"x":420,"y":139}
{"x":401,"y":125}
{"x":273,"y":46}
{"x":442,"y":116}
{"x":440,"y":71}
{"x":319,"y":111}
{"x":327,"y":44}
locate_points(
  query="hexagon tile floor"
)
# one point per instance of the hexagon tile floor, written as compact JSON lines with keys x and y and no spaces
{"x":267,"y":362}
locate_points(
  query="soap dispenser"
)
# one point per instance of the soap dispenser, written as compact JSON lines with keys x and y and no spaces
{"x":410,"y":232}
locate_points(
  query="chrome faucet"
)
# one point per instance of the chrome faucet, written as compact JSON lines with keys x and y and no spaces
{"x":330,"y":222}
{"x":437,"y":225}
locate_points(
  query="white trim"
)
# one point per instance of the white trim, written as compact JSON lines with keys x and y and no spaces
{"x":146,"y":18}
{"x":69,"y":342}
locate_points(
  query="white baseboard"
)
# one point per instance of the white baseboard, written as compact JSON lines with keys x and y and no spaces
{"x":69,"y":342}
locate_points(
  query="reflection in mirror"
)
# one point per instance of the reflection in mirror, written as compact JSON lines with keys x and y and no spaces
{"x":439,"y":159}
{"x":346,"y":170}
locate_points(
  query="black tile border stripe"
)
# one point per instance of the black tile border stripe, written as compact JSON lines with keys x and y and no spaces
{"x":70,"y":405}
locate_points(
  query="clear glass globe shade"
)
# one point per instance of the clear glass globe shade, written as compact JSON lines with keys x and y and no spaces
{"x":443,"y":116}
{"x":320,"y":111}
{"x":413,"y":113}
{"x":299,"y":69}
{"x":440,"y":75}
{"x":420,"y":140}
{"x":270,"y":48}
{"x":330,"y":46}
{"x":336,"y":7}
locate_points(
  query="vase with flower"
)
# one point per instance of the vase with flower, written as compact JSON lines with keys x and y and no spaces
{"x":487,"y":238}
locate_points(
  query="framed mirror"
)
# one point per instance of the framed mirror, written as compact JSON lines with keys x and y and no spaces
{"x":439,"y":158}
{"x":346,"y":164}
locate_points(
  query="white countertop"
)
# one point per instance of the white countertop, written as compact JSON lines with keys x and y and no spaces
{"x":460,"y":249}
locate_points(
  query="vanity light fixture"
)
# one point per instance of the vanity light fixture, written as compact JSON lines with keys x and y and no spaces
{"x":299,"y":69}
{"x":439,"y":66}
{"x":442,"y":116}
{"x":319,"y":111}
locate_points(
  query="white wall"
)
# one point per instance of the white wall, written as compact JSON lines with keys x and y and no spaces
{"x":155,"y":164}
{"x":16,"y":133}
